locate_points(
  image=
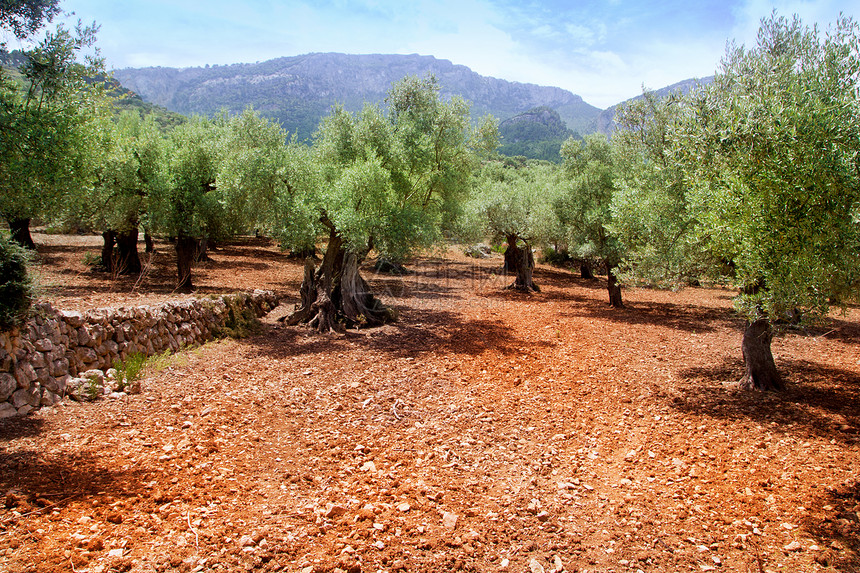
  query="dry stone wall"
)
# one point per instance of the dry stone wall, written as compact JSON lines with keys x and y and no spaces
{"x":39,"y":360}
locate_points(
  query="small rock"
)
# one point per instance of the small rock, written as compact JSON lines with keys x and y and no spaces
{"x":543,"y":516}
{"x":404,"y":507}
{"x":535,"y":566}
{"x":334,"y":511}
{"x":793,"y":546}
{"x":115,"y":552}
{"x":246,"y":541}
{"x":449,"y":520}
{"x":368,"y":467}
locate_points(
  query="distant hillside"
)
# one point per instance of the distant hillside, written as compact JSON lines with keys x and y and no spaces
{"x":299,"y":90}
{"x":606,"y":120}
{"x":125,"y":99}
{"x":536,"y":134}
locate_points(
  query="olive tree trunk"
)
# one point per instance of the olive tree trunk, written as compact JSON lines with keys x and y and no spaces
{"x":335,"y":296}
{"x":109,"y":238}
{"x":585,"y":270}
{"x":520,"y":263}
{"x":128,"y":259}
{"x":614,"y":288}
{"x":761,"y":373}
{"x":20,"y":233}
{"x":186,"y":247}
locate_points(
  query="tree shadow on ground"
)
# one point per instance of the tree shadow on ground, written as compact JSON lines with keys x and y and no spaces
{"x":420,"y":331}
{"x":819,"y":400}
{"x":664,"y":314}
{"x":831,"y":329}
{"x":409,"y":287}
{"x":36,"y":481}
{"x":16,"y":427}
{"x":565,"y":279}
{"x":238,"y":265}
{"x":837,"y":530}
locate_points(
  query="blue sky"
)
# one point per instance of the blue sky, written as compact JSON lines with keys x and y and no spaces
{"x":602,"y":50}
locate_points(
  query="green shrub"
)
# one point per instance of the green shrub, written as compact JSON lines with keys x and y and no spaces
{"x":16,"y":287}
{"x":128,"y":371}
{"x":554,"y":257}
{"x":92,"y":259}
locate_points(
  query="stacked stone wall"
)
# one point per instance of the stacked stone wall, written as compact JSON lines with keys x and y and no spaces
{"x":40,"y":358}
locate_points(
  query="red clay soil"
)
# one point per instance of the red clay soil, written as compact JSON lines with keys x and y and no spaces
{"x":487,"y":430}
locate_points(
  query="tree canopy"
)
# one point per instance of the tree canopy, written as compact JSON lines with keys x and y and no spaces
{"x":25,"y":17}
{"x":760,"y":172}
{"x":390,"y":181}
{"x":49,"y":123}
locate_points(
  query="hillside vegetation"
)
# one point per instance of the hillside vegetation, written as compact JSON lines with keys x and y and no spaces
{"x":536,"y":134}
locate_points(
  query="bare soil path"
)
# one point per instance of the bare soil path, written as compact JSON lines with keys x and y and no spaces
{"x":485,"y":431}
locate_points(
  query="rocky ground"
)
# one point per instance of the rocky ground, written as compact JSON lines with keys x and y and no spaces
{"x":485,"y":431}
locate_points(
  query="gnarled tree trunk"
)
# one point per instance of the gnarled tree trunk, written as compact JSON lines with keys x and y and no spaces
{"x":614,"y":288}
{"x":185,"y":249}
{"x":761,"y":372}
{"x":20,"y":231}
{"x":128,"y":260}
{"x":335,"y":296}
{"x":585,"y":270}
{"x":201,"y":252}
{"x":109,"y":238}
{"x":520,"y":263}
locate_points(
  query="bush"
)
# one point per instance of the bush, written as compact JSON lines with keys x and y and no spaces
{"x":554,"y":257}
{"x":16,"y":287}
{"x":129,"y":371}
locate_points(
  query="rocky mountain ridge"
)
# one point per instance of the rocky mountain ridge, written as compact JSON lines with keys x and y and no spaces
{"x":299,"y":90}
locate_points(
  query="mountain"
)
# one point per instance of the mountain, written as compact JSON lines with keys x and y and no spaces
{"x":606,"y":120}
{"x":299,"y":90}
{"x":537,"y":134}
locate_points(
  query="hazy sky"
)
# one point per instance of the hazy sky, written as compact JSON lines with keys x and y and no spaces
{"x":602,"y":50}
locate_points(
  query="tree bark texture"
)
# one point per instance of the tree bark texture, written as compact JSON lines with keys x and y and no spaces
{"x":147,"y":240}
{"x":614,"y":288}
{"x":128,"y":260}
{"x":585,"y":270}
{"x":761,"y":373}
{"x":185,"y":249}
{"x":109,"y":238}
{"x":335,"y":296}
{"x":201,"y":250}
{"x":520,"y":263}
{"x":20,"y":231}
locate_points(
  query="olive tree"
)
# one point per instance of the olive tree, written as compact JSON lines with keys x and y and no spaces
{"x":772,"y":151}
{"x":385,"y":180}
{"x":584,"y":209}
{"x":132,"y":167}
{"x":655,"y":222}
{"x":514,"y":203}
{"x":50,"y":125}
{"x":771,"y":179}
{"x":180,"y":206}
